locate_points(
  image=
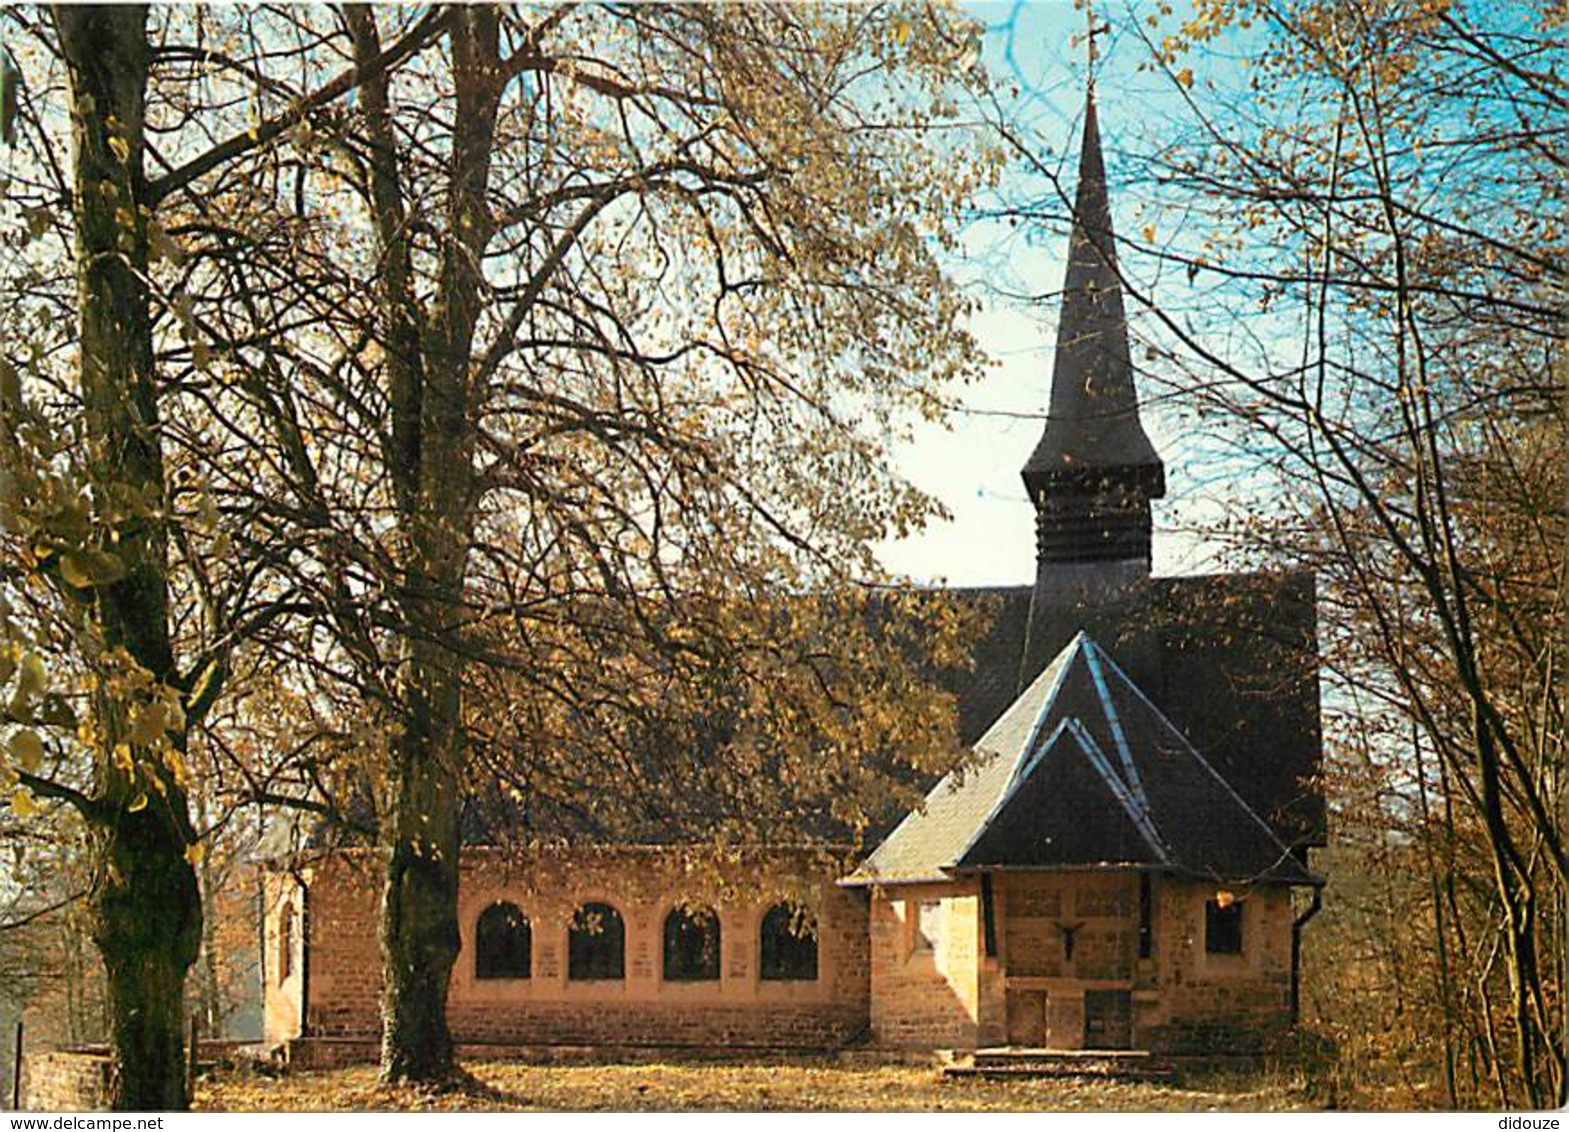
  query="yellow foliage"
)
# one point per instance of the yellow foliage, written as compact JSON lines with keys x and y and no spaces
{"x":23,"y":804}
{"x":27,"y":748}
{"x":763,"y":1084}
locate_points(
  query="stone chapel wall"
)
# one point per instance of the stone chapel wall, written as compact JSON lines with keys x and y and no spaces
{"x":739,"y":1009}
{"x":926,"y":988}
{"x":1212,"y":1003}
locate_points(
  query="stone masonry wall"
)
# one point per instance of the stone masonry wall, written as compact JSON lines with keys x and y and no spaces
{"x":1182,"y":998}
{"x":1044,"y":989}
{"x":1219,"y":1003}
{"x":547,"y":1008}
{"x":927,"y":997}
{"x":871,"y":974}
{"x":1100,"y":909}
{"x":283,"y":900}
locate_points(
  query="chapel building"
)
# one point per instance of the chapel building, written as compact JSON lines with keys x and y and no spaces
{"x":1124,"y":864}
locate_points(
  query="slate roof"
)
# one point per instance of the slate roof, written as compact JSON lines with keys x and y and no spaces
{"x":1083,"y":770}
{"x":1231,"y":659}
{"x":1093,"y":420}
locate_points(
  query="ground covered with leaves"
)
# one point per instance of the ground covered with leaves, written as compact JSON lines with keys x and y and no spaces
{"x":789,"y":1085}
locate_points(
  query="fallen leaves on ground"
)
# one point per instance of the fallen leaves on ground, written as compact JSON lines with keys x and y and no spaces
{"x":757,"y":1085}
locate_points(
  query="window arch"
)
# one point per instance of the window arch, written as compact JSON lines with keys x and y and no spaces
{"x":691,"y":945}
{"x":503,"y":943}
{"x":788,"y":944}
{"x":596,"y":943}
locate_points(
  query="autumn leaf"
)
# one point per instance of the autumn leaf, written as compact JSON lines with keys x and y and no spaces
{"x":27,"y":748}
{"x":34,"y":678}
{"x":23,"y":804}
{"x":85,"y":569}
{"x":74,"y":572}
{"x":738,"y":1084}
{"x":148,"y":722}
{"x":38,"y":221}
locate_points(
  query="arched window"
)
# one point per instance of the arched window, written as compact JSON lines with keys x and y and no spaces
{"x":596,"y":944}
{"x":503,"y":943}
{"x":691,"y":945}
{"x":789,"y":944}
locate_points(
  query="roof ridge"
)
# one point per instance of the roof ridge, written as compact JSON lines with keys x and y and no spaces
{"x":1025,"y":801}
{"x":1135,"y":783}
{"x":1035,"y":760}
{"x":1062,"y":662}
{"x":1028,"y":756}
{"x":1014,"y":786}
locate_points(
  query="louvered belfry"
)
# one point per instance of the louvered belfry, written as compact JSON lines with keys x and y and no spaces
{"x":1094,"y":472}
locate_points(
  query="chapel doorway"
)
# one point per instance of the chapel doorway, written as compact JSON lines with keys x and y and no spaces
{"x":1108,"y":1019}
{"x":1027,"y":1019}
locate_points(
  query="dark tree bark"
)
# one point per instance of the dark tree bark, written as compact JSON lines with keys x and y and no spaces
{"x":539,"y":473}
{"x":433,"y":435}
{"x":146,"y":906}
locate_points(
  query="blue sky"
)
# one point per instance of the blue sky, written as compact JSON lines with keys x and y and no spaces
{"x":1036,"y":49}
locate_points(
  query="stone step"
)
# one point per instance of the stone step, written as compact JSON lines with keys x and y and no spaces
{"x":1051,"y":1072}
{"x":1137,"y":1065}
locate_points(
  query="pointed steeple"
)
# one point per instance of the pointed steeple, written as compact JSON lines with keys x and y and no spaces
{"x":1094,"y":473}
{"x":1093,"y":424}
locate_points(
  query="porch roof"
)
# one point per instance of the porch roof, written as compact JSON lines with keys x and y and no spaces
{"x":1082,"y":770}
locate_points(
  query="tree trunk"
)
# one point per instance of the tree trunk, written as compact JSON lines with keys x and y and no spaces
{"x":432,"y":465}
{"x":146,"y":905}
{"x":147,"y":921}
{"x":419,"y":920}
